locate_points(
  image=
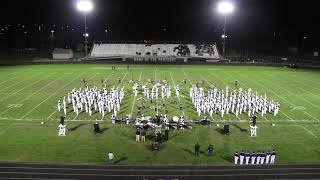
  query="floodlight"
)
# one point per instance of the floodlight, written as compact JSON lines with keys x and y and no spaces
{"x":225,"y":7}
{"x":85,"y":6}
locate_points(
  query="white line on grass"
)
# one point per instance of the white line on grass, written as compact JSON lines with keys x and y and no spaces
{"x":314,"y":105}
{"x":30,"y":95}
{"x":155,"y":76}
{"x":280,"y":111}
{"x":12,"y":77}
{"x":20,"y":81}
{"x":23,"y":88}
{"x":56,"y":110}
{"x":134,"y":100}
{"x":154,"y":170}
{"x":305,"y":84}
{"x":49,"y":97}
{"x":7,"y":80}
{"x":89,"y":80}
{"x":156,"y":175}
{"x":5,"y":129}
{"x":308,"y":131}
{"x":274,"y":94}
{"x":235,"y":121}
{"x":177,"y":96}
{"x":187,"y":77}
{"x":118,"y":87}
{"x":191,"y":85}
{"x":284,"y":99}
{"x":226,"y":85}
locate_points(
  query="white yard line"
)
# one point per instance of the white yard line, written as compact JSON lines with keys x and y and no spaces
{"x":155,"y":75}
{"x":307,"y":81}
{"x":51,"y":114}
{"x":249,"y":87}
{"x":20,"y":82}
{"x":49,"y":97}
{"x":20,"y":102}
{"x":177,"y":96}
{"x":134,"y":100}
{"x":283,"y":99}
{"x":314,"y":105}
{"x":191,"y":85}
{"x":23,"y":88}
{"x":8,"y":75}
{"x":279,"y":111}
{"x":117,"y":87}
{"x":235,"y":121}
{"x":56,"y":110}
{"x":268,"y":89}
{"x":308,"y":131}
{"x":221,"y":88}
{"x":187,"y":77}
{"x":5,"y":129}
{"x":88,"y":80}
{"x":7,"y":80}
{"x":305,"y":84}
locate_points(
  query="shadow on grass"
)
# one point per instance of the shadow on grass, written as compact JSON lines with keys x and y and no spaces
{"x":161,"y":146}
{"x":103,"y":130}
{"x":120,"y":160}
{"x":173,"y":136}
{"x":188,"y":151}
{"x":220,"y":131}
{"x":76,"y":127}
{"x":240,"y":128}
{"x":150,"y":136}
{"x":228,"y":158}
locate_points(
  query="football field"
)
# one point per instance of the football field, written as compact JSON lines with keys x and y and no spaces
{"x":29,"y":95}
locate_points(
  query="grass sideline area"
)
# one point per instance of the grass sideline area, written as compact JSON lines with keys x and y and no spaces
{"x":29,"y":95}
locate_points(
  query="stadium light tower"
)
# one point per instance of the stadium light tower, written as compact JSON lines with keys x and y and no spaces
{"x":85,"y":6}
{"x":225,"y":8}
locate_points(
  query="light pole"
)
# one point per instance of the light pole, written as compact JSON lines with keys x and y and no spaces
{"x":85,"y":6}
{"x":225,"y":8}
{"x":106,"y":30}
{"x":302,"y":45}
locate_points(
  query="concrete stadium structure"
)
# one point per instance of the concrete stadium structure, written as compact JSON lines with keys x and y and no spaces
{"x":155,"y":52}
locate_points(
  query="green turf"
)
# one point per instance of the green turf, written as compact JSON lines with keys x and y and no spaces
{"x":29,"y":95}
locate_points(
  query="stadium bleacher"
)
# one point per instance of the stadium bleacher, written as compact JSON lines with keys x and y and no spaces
{"x":206,"y":51}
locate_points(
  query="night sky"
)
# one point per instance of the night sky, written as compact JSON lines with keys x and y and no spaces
{"x":254,"y":24}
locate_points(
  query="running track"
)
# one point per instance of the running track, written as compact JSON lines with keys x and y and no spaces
{"x":91,"y":172}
